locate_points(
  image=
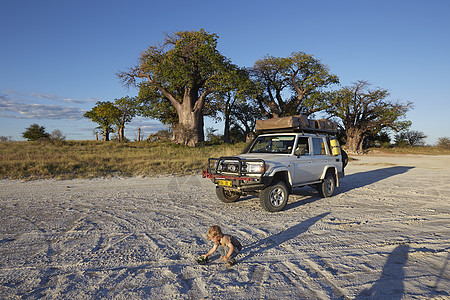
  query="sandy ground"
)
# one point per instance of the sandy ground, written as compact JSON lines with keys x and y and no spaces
{"x":384,"y":235}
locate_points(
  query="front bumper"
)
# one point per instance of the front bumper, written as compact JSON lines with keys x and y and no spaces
{"x":238,"y":181}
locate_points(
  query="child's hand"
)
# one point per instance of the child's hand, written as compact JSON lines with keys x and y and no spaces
{"x":225,"y":258}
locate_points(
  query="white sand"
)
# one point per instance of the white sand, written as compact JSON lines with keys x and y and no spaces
{"x":384,"y":235}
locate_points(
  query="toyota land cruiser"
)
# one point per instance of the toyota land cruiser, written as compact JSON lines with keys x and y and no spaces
{"x":278,"y":160}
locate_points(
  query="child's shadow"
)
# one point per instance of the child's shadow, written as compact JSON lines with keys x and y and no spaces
{"x":279,"y":238}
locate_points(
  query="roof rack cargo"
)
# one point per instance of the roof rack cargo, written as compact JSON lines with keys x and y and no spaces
{"x":298,"y":123}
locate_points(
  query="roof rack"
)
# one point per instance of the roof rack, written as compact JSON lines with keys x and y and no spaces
{"x":299,"y":123}
{"x":295,"y":130}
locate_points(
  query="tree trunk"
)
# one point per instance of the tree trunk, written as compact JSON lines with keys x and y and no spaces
{"x":226,"y":130}
{"x":354,"y":140}
{"x":106,"y":134}
{"x":189,"y":130}
{"x":121,"y":132}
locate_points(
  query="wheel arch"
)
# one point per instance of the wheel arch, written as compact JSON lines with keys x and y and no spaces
{"x":333,"y":170}
{"x":284,"y":177}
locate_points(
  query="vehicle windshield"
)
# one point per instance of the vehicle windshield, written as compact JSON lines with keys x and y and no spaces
{"x":273,"y":144}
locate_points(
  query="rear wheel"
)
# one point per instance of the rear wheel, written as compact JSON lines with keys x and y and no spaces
{"x":326,"y":188}
{"x":274,"y":197}
{"x":226,"y":196}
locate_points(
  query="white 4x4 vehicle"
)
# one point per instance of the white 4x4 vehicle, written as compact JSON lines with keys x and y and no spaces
{"x":274,"y":163}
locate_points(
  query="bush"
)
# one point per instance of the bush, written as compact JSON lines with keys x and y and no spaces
{"x":5,"y":138}
{"x":410,"y":138}
{"x":35,"y":133}
{"x":444,"y":143}
{"x":57,"y":136}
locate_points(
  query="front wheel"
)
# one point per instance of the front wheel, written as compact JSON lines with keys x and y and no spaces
{"x":226,"y":196}
{"x":274,"y":197}
{"x":326,"y":188}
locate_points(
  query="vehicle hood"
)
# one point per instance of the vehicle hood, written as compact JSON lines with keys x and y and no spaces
{"x":274,"y":159}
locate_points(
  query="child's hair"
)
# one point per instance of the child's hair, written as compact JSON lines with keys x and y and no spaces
{"x":214,"y":231}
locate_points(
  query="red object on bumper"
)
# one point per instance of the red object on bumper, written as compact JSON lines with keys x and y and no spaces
{"x":206,"y":174}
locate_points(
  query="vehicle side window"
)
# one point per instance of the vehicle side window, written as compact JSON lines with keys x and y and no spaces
{"x":302,"y":146}
{"x":318,"y":146}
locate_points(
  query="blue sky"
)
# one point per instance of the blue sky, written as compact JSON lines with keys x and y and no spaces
{"x":57,"y":58}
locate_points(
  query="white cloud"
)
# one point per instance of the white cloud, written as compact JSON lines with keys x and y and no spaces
{"x":21,"y":110}
{"x":62,"y":99}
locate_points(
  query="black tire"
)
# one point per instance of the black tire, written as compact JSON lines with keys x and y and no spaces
{"x":326,"y":188}
{"x":344,"y":158}
{"x":226,"y":196}
{"x":274,"y":197}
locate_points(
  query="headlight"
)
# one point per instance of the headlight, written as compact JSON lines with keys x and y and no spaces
{"x":228,"y":166}
{"x":255,"y":168}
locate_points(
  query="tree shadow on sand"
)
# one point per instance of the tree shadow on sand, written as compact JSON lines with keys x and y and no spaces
{"x":391,"y":283}
{"x":277,"y":239}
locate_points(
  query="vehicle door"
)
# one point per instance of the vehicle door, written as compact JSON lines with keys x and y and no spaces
{"x":320,"y":156}
{"x":303,"y":168}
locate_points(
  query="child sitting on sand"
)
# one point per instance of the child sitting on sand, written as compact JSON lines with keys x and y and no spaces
{"x":228,"y":245}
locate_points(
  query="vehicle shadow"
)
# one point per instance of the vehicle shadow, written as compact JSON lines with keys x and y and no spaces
{"x":275,"y":240}
{"x":353,"y":181}
{"x":307,"y":195}
{"x":361,"y":179}
{"x":302,"y":196}
{"x":391,"y":283}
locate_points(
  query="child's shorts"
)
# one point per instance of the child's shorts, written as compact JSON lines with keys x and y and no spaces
{"x":224,"y":251}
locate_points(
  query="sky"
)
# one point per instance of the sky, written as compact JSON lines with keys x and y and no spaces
{"x":58,"y":58}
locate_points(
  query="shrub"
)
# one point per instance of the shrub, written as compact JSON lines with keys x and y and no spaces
{"x":5,"y":138}
{"x":35,"y":133}
{"x":57,"y":136}
{"x":444,"y":143}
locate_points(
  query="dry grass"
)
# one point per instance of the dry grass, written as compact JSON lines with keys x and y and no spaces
{"x":91,"y":159}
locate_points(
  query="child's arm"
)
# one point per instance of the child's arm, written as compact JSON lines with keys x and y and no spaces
{"x":226,"y":257}
{"x":213,"y":249}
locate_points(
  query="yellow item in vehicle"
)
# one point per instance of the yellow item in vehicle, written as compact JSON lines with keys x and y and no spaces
{"x":335,"y":147}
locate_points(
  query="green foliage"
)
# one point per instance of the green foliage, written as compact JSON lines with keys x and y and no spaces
{"x":365,"y":112}
{"x":301,"y":74}
{"x":106,"y":115}
{"x":154,"y":105}
{"x":35,"y":132}
{"x":187,"y":61}
{"x":243,"y":120}
{"x":232,"y":99}
{"x":128,"y":108}
{"x":181,"y":72}
{"x":380,"y":139}
{"x":112,"y":117}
